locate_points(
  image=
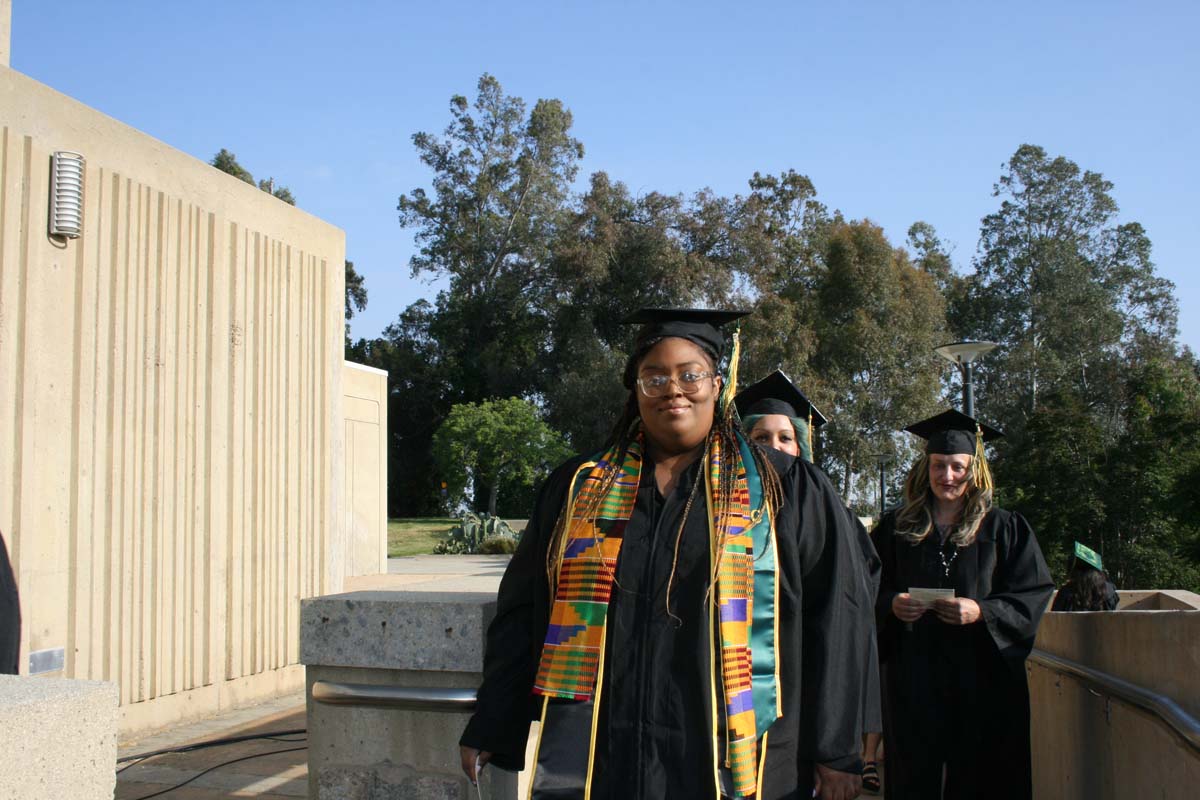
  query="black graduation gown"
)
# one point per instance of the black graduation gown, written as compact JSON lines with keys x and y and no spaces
{"x":958,"y":694}
{"x":1065,"y":599}
{"x":655,"y":732}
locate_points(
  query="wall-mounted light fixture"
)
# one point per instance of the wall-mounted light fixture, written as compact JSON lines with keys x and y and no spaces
{"x":66,"y":194}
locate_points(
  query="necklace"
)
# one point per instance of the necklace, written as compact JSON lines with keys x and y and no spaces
{"x":946,"y":562}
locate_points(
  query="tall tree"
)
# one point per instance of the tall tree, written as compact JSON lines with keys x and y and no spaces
{"x":1099,"y":407}
{"x":1060,"y":284}
{"x":501,"y":186}
{"x":783,"y":232}
{"x":877,"y":321}
{"x":614,"y":254}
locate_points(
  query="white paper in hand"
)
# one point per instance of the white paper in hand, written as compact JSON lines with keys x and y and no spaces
{"x":927,"y":597}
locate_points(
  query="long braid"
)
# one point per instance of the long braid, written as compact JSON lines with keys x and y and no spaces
{"x":687,"y":509}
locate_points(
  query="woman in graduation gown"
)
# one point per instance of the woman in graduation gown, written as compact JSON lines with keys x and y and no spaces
{"x":956,"y":665}
{"x":775,"y":413}
{"x":665,"y":599}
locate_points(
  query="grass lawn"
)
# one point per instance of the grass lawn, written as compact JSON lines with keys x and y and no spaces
{"x":415,"y":536}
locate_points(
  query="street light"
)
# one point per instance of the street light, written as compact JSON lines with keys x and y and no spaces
{"x":882,"y":459}
{"x":962,"y":354}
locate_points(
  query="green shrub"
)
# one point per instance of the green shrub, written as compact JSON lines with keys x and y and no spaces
{"x":498,"y":545}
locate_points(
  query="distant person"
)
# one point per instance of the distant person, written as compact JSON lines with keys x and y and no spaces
{"x":10,"y":616}
{"x":1088,"y":587}
{"x":776,"y":414}
{"x":964,"y":586}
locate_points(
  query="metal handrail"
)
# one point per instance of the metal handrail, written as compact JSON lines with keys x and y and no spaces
{"x":1183,"y":724}
{"x":424,"y":698}
{"x":410,"y":698}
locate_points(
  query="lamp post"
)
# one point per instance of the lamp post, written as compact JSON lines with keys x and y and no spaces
{"x":961,"y":354}
{"x":882,"y":459}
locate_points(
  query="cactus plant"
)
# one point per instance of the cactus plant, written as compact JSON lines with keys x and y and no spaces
{"x":471,"y":534}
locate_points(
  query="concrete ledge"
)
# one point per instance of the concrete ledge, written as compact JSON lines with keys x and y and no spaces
{"x":59,"y":738}
{"x":437,"y":631}
{"x":410,"y":639}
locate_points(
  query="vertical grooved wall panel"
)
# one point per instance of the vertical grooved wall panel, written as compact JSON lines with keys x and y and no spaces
{"x":167,"y":487}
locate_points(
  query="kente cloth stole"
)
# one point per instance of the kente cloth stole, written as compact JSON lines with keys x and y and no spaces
{"x":745,"y":592}
{"x":595,"y":529}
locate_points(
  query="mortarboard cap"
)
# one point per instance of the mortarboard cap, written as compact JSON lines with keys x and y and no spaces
{"x":1088,"y":556}
{"x":951,"y":433}
{"x":699,"y":325}
{"x":776,"y":394}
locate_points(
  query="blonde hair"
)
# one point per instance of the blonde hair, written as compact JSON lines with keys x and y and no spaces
{"x":914,"y":519}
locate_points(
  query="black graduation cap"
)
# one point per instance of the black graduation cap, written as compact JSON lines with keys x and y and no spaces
{"x":776,"y":394}
{"x":699,"y":325}
{"x":952,"y":433}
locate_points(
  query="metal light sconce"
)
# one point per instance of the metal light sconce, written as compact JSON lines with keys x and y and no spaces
{"x":66,"y":194}
{"x":962,"y":354}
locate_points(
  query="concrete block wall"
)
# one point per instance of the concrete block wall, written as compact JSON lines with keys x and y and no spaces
{"x":394,"y":638}
{"x":59,"y":739}
{"x":365,"y":432}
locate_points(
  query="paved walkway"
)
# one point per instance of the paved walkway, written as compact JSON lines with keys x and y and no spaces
{"x":270,"y":769}
{"x":275,"y":769}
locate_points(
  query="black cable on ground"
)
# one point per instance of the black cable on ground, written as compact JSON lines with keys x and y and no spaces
{"x":181,"y":784}
{"x":187,"y":748}
{"x":274,"y":737}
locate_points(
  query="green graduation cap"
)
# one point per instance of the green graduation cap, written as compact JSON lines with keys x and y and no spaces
{"x":1088,"y":556}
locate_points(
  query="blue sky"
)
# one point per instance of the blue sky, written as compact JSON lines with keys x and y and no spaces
{"x":898,"y":110}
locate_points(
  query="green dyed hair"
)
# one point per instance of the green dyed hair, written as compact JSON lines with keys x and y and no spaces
{"x":799,"y":425}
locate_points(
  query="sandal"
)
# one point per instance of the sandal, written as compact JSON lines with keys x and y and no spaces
{"x":870,"y":778}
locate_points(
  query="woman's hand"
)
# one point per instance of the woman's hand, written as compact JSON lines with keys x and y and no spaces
{"x":830,"y":784}
{"x":906,"y":609}
{"x":470,"y":756}
{"x":957,"y":610}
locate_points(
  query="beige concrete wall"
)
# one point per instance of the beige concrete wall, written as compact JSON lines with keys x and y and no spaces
{"x":1089,"y":746}
{"x":170,"y":405}
{"x":364,"y":406}
{"x":1086,"y":747}
{"x":5,"y":32}
{"x":1158,"y":650}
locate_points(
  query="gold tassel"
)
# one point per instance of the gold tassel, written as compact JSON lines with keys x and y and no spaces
{"x":731,"y":377}
{"x":811,"y":452}
{"x":979,"y":470}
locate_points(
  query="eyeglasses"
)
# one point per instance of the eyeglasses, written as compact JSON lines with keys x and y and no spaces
{"x":660,"y":385}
